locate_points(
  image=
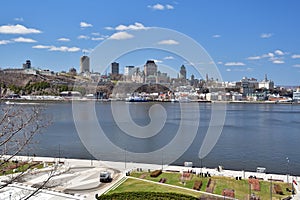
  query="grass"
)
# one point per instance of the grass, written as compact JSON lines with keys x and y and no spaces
{"x":133,"y":185}
{"x":9,"y":167}
{"x":241,"y":187}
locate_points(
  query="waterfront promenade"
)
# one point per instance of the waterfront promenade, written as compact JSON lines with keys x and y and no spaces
{"x":79,"y":179}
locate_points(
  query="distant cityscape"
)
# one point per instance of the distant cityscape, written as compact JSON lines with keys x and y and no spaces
{"x":179,"y":88}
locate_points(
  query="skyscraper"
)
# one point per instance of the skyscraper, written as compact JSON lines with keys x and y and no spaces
{"x":150,"y":68}
{"x":114,"y":68}
{"x":84,"y":64}
{"x":182,"y":72}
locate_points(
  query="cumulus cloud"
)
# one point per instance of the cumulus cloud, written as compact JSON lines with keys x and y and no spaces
{"x":85,"y":25}
{"x":54,"y":48}
{"x":63,"y":39}
{"x":295,"y":56}
{"x":17,"y":29}
{"x":64,"y":49}
{"x":2,"y":42}
{"x":266,"y":35}
{"x":234,"y":64}
{"x":121,"y":36}
{"x":135,"y":26}
{"x":97,"y":38}
{"x":159,"y":6}
{"x":278,"y":62}
{"x":254,"y":58}
{"x":41,"y":47}
{"x":85,"y":37}
{"x":168,"y":42}
{"x":25,"y":40}
{"x":279,"y":52}
{"x":168,"y":58}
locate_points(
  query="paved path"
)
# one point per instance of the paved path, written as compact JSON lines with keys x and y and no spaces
{"x":87,"y":179}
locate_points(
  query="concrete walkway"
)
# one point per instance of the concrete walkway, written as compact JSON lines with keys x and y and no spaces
{"x":81,"y":177}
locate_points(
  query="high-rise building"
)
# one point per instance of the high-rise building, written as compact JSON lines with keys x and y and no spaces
{"x":150,"y":68}
{"x":27,"y":65}
{"x":128,"y":70}
{"x":114,"y":68}
{"x":84,"y":64}
{"x":182,"y":72}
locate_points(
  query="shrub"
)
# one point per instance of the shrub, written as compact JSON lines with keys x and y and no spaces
{"x":146,"y":195}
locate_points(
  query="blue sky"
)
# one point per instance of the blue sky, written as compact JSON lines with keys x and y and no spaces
{"x":244,"y":38}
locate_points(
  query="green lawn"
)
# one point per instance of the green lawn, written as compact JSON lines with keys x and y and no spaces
{"x":133,"y":185}
{"x":241,"y":187}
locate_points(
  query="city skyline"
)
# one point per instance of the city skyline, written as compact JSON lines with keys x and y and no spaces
{"x":249,"y":38}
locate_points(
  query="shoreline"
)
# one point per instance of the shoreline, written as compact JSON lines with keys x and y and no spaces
{"x":129,"y":166}
{"x":44,"y":101}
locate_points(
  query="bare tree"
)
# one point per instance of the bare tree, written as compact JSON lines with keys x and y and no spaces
{"x":18,"y":126}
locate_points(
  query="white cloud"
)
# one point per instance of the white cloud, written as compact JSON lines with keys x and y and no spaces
{"x":169,"y":7}
{"x":220,"y":63}
{"x":296,"y":65}
{"x":19,"y":19}
{"x":2,"y":42}
{"x":109,"y":28}
{"x":168,"y":42}
{"x":295,"y":56}
{"x":156,"y":61}
{"x":25,"y":40}
{"x":63,"y":39}
{"x":135,"y":26}
{"x":159,"y":6}
{"x":97,"y":38}
{"x":168,"y":58}
{"x":254,"y":58}
{"x":17,"y":29}
{"x":278,"y":62}
{"x":64,"y":49}
{"x":228,"y":70}
{"x":216,"y":36}
{"x":85,"y":25}
{"x":41,"y":47}
{"x":85,"y":37}
{"x":234,"y":64}
{"x":121,"y":36}
{"x":266,"y":35}
{"x":54,"y":48}
{"x":279,"y":52}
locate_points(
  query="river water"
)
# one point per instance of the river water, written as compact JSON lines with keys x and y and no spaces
{"x":253,"y":135}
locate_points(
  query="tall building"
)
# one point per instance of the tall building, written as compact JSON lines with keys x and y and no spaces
{"x":182,"y":72}
{"x":128,"y":70}
{"x":27,"y":65}
{"x":114,"y":68}
{"x":150,"y":68}
{"x":84,"y":64}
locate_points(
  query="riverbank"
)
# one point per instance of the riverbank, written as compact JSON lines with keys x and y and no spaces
{"x":69,"y":100}
{"x":95,"y":166}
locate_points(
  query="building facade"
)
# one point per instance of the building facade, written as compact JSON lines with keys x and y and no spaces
{"x":150,"y":68}
{"x":84,"y":64}
{"x":114,"y":68}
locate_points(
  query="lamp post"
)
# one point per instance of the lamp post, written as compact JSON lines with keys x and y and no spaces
{"x":287,"y":169}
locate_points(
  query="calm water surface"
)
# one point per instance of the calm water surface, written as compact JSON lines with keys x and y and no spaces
{"x":253,"y":135}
